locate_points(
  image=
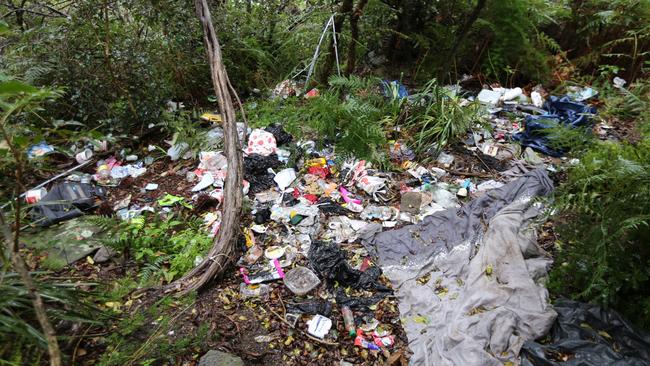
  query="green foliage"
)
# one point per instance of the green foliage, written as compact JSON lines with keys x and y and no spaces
{"x":349,"y":114}
{"x":18,"y":326}
{"x":603,"y":255}
{"x":439,"y":117}
{"x":165,"y":248}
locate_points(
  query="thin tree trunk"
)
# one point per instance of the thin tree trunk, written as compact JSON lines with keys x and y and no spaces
{"x":18,"y":263}
{"x":354,"y":36}
{"x":345,"y":8}
{"x":223,"y":249}
{"x":461,"y":34}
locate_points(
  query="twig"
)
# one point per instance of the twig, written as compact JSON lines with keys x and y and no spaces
{"x":74,"y":352}
{"x":284,"y":309}
{"x":470,"y":174}
{"x":302,"y":331}
{"x":484,"y":164}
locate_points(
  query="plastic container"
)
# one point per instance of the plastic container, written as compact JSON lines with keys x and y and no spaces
{"x":348,"y":319}
{"x":301,"y":280}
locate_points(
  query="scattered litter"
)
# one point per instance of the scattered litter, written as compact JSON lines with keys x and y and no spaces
{"x":255,"y":291}
{"x":301,"y":280}
{"x":319,"y":326}
{"x":579,"y":94}
{"x":445,"y":159}
{"x":558,"y":111}
{"x":284,"y":178}
{"x":65,"y":201}
{"x":274,"y":252}
{"x":39,"y":150}
{"x":211,"y":117}
{"x":35,"y":195}
{"x":151,"y":186}
{"x":489,"y":97}
{"x":619,"y":82}
{"x":206,"y":181}
{"x":84,"y":156}
{"x":348,"y":320}
{"x":394,"y":89}
{"x":311,"y":307}
{"x":270,"y":273}
{"x":261,"y":142}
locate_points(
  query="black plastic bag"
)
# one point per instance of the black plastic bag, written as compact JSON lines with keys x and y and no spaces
{"x":281,"y":136}
{"x":65,"y":201}
{"x":313,"y":307}
{"x":256,"y":171}
{"x":359,"y":303}
{"x":588,"y":335}
{"x":328,"y":261}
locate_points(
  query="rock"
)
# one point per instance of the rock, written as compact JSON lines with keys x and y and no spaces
{"x":412,"y":202}
{"x":218,"y":358}
{"x":103,"y":254}
{"x":532,"y":157}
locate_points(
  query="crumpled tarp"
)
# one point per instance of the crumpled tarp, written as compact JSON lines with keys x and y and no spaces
{"x":588,"y":335}
{"x":463,"y":307}
{"x":558,"y":111}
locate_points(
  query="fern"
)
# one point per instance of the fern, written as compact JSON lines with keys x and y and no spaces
{"x":605,"y":205}
{"x":152,"y":269}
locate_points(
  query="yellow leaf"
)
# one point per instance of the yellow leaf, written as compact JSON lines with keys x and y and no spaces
{"x":89,"y":260}
{"x":605,"y":334}
{"x":421,"y":319}
{"x":241,"y":317}
{"x":288,"y":341}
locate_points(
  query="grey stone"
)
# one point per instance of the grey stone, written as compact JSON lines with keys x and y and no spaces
{"x":103,"y":255}
{"x":218,"y":358}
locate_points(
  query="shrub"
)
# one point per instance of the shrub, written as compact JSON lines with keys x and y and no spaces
{"x":604,"y":255}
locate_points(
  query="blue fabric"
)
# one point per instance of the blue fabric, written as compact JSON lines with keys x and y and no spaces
{"x":558,"y":111}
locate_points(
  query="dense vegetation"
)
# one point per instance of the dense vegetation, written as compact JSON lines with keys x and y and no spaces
{"x":74,"y":72}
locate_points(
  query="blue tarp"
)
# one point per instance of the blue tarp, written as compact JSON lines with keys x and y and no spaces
{"x":559,"y":110}
{"x":394,"y":89}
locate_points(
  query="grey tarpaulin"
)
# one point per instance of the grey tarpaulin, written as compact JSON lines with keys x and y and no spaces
{"x":588,"y":335}
{"x":482,"y":300}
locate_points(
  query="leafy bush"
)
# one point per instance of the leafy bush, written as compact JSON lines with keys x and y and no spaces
{"x":605,"y":206}
{"x":165,"y":248}
{"x":349,"y":113}
{"x":439,"y":117}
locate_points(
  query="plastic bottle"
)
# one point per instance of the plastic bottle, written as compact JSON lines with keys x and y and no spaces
{"x":348,"y":319}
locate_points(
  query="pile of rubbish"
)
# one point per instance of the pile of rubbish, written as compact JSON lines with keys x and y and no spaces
{"x":339,"y":235}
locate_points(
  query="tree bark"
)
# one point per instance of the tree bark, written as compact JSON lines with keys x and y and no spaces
{"x":461,"y":34}
{"x":354,"y":36}
{"x":223,"y":249}
{"x":345,"y":8}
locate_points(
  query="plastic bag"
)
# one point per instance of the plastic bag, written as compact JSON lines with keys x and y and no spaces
{"x":328,"y":261}
{"x":588,"y":335}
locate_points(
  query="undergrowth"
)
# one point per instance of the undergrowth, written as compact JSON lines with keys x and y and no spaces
{"x":356,"y":116}
{"x":164,"y":248}
{"x":603,"y":254}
